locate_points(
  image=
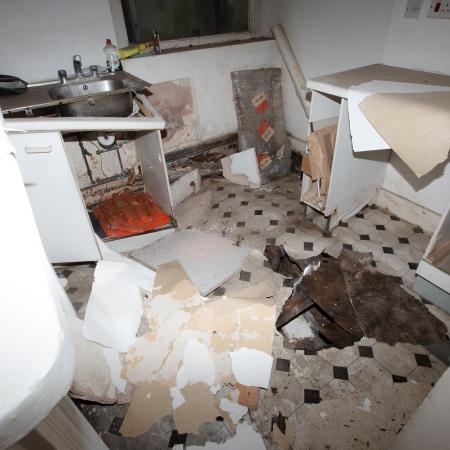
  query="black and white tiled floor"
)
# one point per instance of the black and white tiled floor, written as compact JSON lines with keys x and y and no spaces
{"x":302,"y":381}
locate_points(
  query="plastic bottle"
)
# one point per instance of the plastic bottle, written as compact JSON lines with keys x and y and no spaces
{"x":112,"y":57}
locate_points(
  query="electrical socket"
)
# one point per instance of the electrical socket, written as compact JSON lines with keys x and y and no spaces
{"x":413,"y":9}
{"x":439,"y":10}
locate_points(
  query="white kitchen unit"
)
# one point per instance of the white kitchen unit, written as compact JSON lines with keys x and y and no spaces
{"x":433,"y":274}
{"x":55,"y":197}
{"x":355,"y":178}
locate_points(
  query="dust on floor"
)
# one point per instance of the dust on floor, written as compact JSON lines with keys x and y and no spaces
{"x":383,"y":384}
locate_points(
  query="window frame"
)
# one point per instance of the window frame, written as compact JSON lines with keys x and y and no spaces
{"x":255,"y":24}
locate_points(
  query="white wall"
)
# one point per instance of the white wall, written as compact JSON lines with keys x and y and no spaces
{"x":329,"y":36}
{"x":210,"y":70}
{"x":38,"y":37}
{"x":418,"y":43}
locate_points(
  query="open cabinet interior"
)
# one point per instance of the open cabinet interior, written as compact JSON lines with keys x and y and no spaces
{"x":123,"y":182}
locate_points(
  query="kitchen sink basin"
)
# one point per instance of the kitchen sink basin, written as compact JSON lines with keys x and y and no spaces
{"x":103,"y":97}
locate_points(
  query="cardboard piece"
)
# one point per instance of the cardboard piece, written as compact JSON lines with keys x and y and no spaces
{"x":150,"y":402}
{"x":320,"y":156}
{"x":248,"y":396}
{"x":208,"y":259}
{"x":415,"y":126}
{"x":242,"y":168}
{"x":200,"y":407}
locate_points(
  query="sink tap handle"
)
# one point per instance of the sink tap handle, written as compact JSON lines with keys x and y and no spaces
{"x":62,"y":75}
{"x":94,"y":70}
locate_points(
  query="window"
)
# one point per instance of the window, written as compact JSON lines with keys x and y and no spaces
{"x":177,"y":19}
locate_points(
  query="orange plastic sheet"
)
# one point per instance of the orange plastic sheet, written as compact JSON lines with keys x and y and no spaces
{"x":127,"y":213}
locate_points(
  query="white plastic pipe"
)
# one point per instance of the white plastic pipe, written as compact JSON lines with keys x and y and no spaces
{"x":293,"y":66}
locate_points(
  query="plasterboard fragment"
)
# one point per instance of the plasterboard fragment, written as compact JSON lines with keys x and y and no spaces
{"x":251,"y":367}
{"x":245,"y":438}
{"x":150,"y":402}
{"x":200,"y":407}
{"x":115,"y":366}
{"x":242,"y":168}
{"x":92,"y":380}
{"x":115,"y":308}
{"x":235,"y":410}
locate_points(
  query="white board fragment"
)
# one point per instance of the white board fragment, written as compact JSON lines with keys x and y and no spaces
{"x":251,"y":367}
{"x":242,"y":168}
{"x":207,"y":258}
{"x":114,"y":310}
{"x":185,"y":186}
{"x":364,"y":136}
{"x":235,"y":410}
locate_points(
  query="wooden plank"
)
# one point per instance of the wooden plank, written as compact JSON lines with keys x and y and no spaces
{"x":439,"y":253}
{"x":248,"y":396}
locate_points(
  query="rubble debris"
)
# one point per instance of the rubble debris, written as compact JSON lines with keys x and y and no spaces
{"x":209,"y":259}
{"x":384,"y":310}
{"x":150,"y":402}
{"x":242,"y":168}
{"x":345,"y":299}
{"x":92,"y":379}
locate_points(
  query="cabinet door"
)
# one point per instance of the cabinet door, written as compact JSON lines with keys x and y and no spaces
{"x":56,"y":201}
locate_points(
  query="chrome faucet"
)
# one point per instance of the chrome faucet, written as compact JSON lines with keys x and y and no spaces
{"x":77,"y":66}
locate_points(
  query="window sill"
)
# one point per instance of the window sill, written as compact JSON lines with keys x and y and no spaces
{"x":200,"y":46}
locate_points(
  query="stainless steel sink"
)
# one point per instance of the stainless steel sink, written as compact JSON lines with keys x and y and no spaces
{"x":104,"y":97}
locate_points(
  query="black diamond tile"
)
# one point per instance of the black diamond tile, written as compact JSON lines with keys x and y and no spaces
{"x":418,"y":230}
{"x":240,"y":224}
{"x":399,"y":379}
{"x":288,"y":282}
{"x":267,"y":264}
{"x":343,"y":224}
{"x":247,"y":190}
{"x":327,"y":234}
{"x":413,"y":266}
{"x":364,"y":237}
{"x":260,"y":196}
{"x":365,"y":351}
{"x":274,"y":222}
{"x":275,"y":205}
{"x":388,"y":250}
{"x":395,"y":218}
{"x":290,"y":230}
{"x":220,"y":188}
{"x":231,"y":195}
{"x":215,"y":206}
{"x":380,"y":227}
{"x":255,"y":232}
{"x":244,"y":203}
{"x":271,"y":241}
{"x":422,"y":360}
{"x":397,"y":279}
{"x":341,"y":373}
{"x":115,"y":425}
{"x":312,"y":396}
{"x":283,"y":365}
{"x":71,"y":290}
{"x":308,"y":246}
{"x":244,"y":276}
{"x":403,"y":240}
{"x":290,"y":213}
{"x":373,"y":263}
{"x":219,"y":291}
{"x":310,"y":352}
{"x":258,"y":212}
{"x":177,"y":439}
{"x":347,"y":246}
{"x":359,"y":215}
{"x":373,"y":206}
{"x":227,"y":214}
